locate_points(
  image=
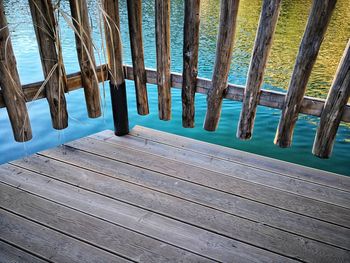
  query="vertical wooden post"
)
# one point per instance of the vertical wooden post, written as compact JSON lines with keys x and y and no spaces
{"x":318,"y":21}
{"x":86,"y":57}
{"x":115,"y":65}
{"x":10,"y":84}
{"x":163,"y":58}
{"x":224,"y":46}
{"x":48,"y":42}
{"x":263,"y":42}
{"x":190,"y":61}
{"x":333,"y":109}
{"x":135,"y":32}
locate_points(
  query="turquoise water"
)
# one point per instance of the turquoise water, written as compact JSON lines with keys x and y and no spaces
{"x":278,"y":71}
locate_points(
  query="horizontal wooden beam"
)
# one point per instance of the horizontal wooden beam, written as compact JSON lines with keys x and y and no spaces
{"x":272,"y":99}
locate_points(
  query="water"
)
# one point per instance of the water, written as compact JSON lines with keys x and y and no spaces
{"x":288,"y":35}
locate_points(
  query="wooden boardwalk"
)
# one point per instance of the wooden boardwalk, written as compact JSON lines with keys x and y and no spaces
{"x":155,"y":197}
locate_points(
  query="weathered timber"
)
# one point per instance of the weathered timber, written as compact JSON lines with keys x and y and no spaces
{"x":263,"y":42}
{"x":86,"y":57}
{"x":13,"y":96}
{"x":162,"y":8}
{"x":318,"y":21}
{"x":136,"y":43}
{"x":190,"y":61}
{"x":115,"y":66}
{"x":333,"y":108}
{"x":224,"y":46}
{"x":51,"y":59}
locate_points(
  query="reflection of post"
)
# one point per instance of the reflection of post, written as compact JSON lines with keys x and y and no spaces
{"x":48,"y":42}
{"x":263,"y":42}
{"x":333,"y":109}
{"x":224,"y":46}
{"x":86,"y":57}
{"x":319,"y":18}
{"x":10,"y":84}
{"x":115,"y":67}
{"x":135,"y":30}
{"x":163,"y":58}
{"x":190,"y":61}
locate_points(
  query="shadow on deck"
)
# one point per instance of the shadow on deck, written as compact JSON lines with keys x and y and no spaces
{"x":156,"y":197}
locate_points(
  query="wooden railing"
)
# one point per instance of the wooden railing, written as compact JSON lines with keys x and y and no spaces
{"x":13,"y":96}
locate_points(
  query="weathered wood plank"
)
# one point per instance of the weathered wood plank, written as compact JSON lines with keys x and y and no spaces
{"x":263,"y":43}
{"x":97,"y":232}
{"x":190,"y":61}
{"x":49,"y":45}
{"x":86,"y":57}
{"x":182,"y":235}
{"x":115,"y":65}
{"x":182,"y":208}
{"x":48,"y":243}
{"x":224,"y":47}
{"x":162,"y":9}
{"x":136,"y":43}
{"x":13,"y":97}
{"x":334,"y":107}
{"x":318,"y":21}
{"x":272,"y":99}
{"x":264,"y":163}
{"x":11,"y":254}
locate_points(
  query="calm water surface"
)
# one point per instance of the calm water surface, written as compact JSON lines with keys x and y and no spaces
{"x":288,"y":35}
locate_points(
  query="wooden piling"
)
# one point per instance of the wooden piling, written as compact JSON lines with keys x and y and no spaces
{"x":224,"y":46}
{"x":136,"y":42}
{"x":263,"y":42}
{"x":333,"y":109}
{"x":49,"y":47}
{"x":318,"y":21}
{"x":86,"y":57}
{"x":190,"y":61}
{"x":115,"y":67}
{"x":162,"y":8}
{"x":10,"y":84}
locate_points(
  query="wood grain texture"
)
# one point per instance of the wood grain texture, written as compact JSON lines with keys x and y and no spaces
{"x":162,"y":9}
{"x":224,"y":47}
{"x":190,"y":61}
{"x":263,"y":43}
{"x":12,"y":254}
{"x":13,"y":97}
{"x":138,"y":60}
{"x":86,"y":57}
{"x":115,"y":65}
{"x":334,"y":107}
{"x":319,"y":17}
{"x":45,"y":26}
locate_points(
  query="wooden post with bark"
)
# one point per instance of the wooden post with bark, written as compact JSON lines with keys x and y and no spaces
{"x":190,"y":61}
{"x":224,"y":47}
{"x":320,"y":15}
{"x":163,"y":58}
{"x":333,"y":110}
{"x":10,"y":84}
{"x":135,"y":32}
{"x":86,"y":57}
{"x":263,"y":42}
{"x":115,"y":67}
{"x":51,"y":59}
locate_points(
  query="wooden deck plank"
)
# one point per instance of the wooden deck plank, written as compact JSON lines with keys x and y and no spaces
{"x":254,"y":233}
{"x":220,"y":201}
{"x":295,"y":203}
{"x":96,"y":232}
{"x":48,"y":243}
{"x":11,"y":254}
{"x":174,"y":232}
{"x":295,"y":186}
{"x":264,"y":163}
